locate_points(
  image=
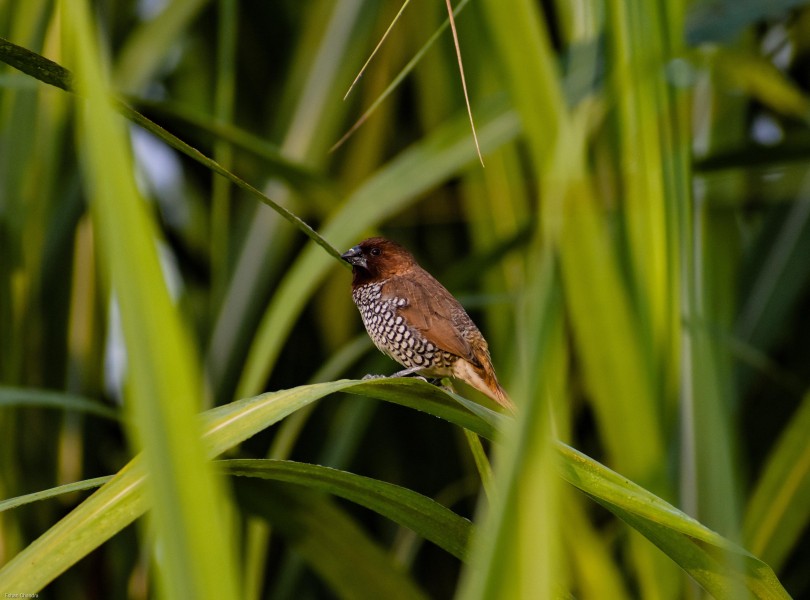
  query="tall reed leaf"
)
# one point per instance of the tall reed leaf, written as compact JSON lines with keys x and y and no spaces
{"x":195,"y":558}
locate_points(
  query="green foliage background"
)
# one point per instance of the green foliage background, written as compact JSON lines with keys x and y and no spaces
{"x":634,"y":250}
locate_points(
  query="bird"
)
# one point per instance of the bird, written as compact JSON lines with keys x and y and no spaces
{"x":412,"y":318}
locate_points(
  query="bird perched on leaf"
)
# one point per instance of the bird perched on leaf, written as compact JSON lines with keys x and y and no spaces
{"x":412,"y":318}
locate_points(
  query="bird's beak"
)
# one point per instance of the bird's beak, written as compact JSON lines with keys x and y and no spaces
{"x":354,"y":256}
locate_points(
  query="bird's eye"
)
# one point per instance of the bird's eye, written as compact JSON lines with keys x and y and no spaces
{"x":376,"y":252}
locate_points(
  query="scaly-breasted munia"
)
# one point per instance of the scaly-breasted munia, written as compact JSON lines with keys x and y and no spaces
{"x":412,"y":318}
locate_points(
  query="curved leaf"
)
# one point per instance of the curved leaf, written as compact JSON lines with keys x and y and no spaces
{"x":697,"y":549}
{"x":423,"y":515}
{"x":78,"y":486}
{"x":720,"y":566}
{"x":119,"y":502}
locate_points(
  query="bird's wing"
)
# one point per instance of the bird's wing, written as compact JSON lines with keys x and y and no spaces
{"x":433,"y":311}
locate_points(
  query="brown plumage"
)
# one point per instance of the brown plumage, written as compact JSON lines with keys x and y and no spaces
{"x":412,"y":318}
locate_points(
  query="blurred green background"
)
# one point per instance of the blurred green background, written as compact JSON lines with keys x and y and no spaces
{"x":635,"y":250}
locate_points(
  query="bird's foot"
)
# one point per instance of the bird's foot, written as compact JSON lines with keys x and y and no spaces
{"x":411,"y":372}
{"x":406,"y":372}
{"x":403,"y":373}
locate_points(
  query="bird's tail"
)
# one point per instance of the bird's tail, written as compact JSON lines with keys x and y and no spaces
{"x":501,"y":397}
{"x":484,"y":380}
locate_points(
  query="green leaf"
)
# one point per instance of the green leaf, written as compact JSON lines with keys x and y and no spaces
{"x":699,"y":551}
{"x":423,"y":515}
{"x":121,"y":501}
{"x":717,"y":564}
{"x":163,"y":383}
{"x":233,"y":423}
{"x":117,"y":504}
{"x":68,"y":488}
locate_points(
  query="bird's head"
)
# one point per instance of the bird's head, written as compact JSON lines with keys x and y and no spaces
{"x":378,"y":258}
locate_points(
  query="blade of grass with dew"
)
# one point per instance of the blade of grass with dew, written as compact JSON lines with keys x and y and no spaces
{"x":163,"y":387}
{"x":390,"y":190}
{"x":117,"y":504}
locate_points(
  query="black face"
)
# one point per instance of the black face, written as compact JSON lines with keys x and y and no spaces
{"x":369,"y":253}
{"x":377,"y":257}
{"x":355,"y":257}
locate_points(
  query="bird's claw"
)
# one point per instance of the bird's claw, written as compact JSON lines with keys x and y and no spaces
{"x":405,"y":373}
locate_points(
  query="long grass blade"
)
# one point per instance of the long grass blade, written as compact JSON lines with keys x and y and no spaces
{"x":377,"y":47}
{"x":163,"y":385}
{"x":406,"y":70}
{"x":463,"y":78}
